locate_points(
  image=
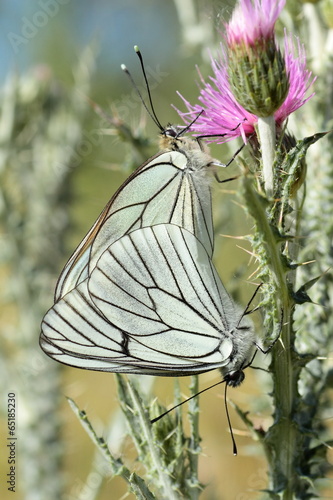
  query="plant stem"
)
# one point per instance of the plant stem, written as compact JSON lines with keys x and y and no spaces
{"x":267,"y":137}
{"x":282,"y":439}
{"x":164,"y":479}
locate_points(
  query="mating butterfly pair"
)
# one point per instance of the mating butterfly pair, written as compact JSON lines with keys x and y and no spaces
{"x":141,"y":294}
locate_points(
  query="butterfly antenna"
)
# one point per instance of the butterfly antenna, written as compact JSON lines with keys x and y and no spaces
{"x":234,"y":446}
{"x":187,"y":128}
{"x":185,"y":401}
{"x":153,"y":112}
{"x":125,"y":70}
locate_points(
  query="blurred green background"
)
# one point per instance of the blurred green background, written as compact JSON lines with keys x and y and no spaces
{"x":45,"y":40}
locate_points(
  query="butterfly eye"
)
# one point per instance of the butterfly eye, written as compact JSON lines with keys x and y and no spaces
{"x":171,"y":132}
{"x":234,"y":379}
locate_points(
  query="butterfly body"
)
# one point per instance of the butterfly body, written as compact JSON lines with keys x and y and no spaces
{"x":153,"y":304}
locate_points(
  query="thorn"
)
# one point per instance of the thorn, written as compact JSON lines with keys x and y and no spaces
{"x":254,"y":272}
{"x":248,"y":252}
{"x":253,"y":283}
{"x":239,"y":204}
{"x":243,"y":238}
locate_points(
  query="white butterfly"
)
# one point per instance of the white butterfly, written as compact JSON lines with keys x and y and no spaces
{"x":153,"y":304}
{"x":171,"y":187}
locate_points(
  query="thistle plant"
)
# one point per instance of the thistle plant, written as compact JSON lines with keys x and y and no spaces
{"x":258,"y":85}
{"x":255,"y":87}
{"x":169,"y":457}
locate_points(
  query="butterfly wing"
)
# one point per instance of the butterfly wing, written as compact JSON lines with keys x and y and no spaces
{"x":171,"y":187}
{"x":75,"y":333}
{"x":154,"y":304}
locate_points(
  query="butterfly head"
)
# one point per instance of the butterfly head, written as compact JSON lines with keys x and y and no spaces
{"x":234,"y":378}
{"x":172,"y":139}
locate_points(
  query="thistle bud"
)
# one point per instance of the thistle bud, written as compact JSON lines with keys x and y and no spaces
{"x":258,"y":76}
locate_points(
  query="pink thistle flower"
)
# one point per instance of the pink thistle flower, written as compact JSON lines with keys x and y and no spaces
{"x":221,"y":115}
{"x":257,"y":70}
{"x":300,"y":79}
{"x":253,"y":20}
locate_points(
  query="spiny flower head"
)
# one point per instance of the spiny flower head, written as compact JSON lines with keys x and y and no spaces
{"x":257,"y":70}
{"x":222,"y":115}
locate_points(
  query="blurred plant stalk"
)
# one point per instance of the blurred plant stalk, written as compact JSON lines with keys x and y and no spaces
{"x":40,"y":123}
